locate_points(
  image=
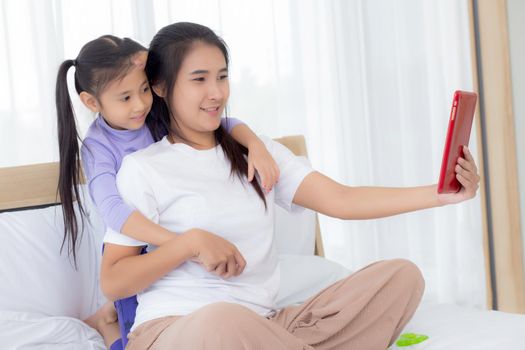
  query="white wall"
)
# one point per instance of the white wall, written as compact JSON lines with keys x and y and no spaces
{"x":516,"y":13}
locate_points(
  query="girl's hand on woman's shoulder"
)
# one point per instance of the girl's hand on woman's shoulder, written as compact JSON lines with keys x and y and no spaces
{"x":468,"y":177}
{"x":260,"y":160}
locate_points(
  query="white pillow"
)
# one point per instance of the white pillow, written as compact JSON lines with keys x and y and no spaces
{"x":303,"y":276}
{"x":23,"y":330}
{"x":295,"y":232}
{"x":35,"y":276}
{"x":302,"y":273}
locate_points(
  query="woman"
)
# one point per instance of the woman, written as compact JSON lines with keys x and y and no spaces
{"x":216,"y":291}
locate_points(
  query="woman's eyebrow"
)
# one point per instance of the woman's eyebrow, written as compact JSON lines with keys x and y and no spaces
{"x":204,"y":71}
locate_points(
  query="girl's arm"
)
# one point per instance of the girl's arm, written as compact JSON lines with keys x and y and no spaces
{"x":121,"y":217}
{"x":99,"y":167}
{"x":328,"y":197}
{"x":258,"y":156}
{"x":141,"y":228}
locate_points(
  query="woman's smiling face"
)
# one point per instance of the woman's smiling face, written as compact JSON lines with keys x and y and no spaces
{"x":201,"y":91}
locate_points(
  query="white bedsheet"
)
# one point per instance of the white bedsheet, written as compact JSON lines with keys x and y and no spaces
{"x":31,"y":331}
{"x":449,"y":327}
{"x":452,"y":327}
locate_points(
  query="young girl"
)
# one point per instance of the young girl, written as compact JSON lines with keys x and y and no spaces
{"x":111,"y":81}
{"x":182,"y":305}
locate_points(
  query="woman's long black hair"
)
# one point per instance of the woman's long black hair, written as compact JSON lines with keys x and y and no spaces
{"x":98,"y":63}
{"x":167,"y":51}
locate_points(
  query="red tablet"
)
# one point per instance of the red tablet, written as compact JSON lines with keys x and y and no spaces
{"x":458,"y":134}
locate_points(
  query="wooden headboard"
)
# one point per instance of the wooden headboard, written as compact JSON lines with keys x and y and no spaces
{"x":36,"y":185}
{"x":28,"y":186}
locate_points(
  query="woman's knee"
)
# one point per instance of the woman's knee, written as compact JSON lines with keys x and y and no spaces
{"x":408,"y":273}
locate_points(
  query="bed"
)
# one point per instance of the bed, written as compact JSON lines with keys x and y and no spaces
{"x":43,"y":297}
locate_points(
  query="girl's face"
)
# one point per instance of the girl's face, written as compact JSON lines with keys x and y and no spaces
{"x":201,"y":92}
{"x":126,"y":102}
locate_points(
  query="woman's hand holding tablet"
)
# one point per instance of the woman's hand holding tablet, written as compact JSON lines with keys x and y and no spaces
{"x":459,"y":177}
{"x":467,"y":175}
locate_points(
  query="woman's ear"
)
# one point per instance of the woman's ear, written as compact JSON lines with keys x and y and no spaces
{"x":90,"y":101}
{"x":159,"y":90}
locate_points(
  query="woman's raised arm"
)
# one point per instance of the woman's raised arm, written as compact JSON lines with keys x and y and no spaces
{"x":326,"y":196}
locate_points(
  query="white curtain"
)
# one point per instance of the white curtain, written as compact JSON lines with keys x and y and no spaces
{"x":369,"y":83}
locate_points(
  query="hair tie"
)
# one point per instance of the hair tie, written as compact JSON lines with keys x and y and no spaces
{"x":75,"y":63}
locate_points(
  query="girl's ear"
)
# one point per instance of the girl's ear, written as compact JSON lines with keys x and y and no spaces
{"x":89,"y":101}
{"x":159,"y":89}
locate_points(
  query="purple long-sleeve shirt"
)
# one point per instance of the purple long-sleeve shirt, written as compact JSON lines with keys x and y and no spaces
{"x":102,"y":152}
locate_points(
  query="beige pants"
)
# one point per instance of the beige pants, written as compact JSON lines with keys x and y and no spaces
{"x":366,"y":310}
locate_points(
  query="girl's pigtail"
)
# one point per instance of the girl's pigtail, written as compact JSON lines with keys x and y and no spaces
{"x":70,"y":175}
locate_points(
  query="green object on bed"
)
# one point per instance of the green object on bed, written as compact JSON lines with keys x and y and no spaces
{"x":408,"y":339}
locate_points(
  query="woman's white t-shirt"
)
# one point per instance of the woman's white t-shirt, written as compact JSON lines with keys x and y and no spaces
{"x":181,"y":188}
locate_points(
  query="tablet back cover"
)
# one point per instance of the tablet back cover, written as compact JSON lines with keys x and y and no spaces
{"x":458,"y":134}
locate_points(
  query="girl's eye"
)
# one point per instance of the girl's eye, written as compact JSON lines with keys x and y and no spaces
{"x":199,"y":79}
{"x":223,"y":77}
{"x":125,"y":99}
{"x":146,"y":89}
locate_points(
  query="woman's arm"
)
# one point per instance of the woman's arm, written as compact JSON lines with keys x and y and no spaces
{"x":124,"y":272}
{"x":322,"y":194}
